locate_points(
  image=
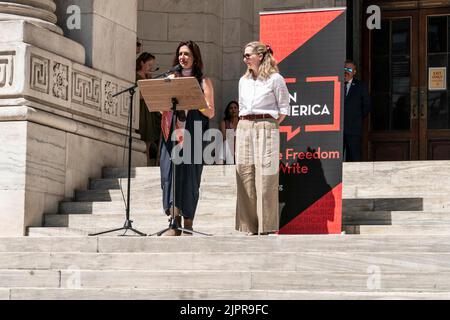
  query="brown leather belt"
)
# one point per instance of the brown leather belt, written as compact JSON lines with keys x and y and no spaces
{"x":256,"y":117}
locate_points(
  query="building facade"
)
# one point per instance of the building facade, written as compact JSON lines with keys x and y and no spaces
{"x":61,"y":61}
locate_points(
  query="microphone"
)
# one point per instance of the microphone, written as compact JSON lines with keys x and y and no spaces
{"x":176,"y":68}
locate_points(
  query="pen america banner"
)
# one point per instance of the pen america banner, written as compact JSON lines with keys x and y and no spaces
{"x":310,"y":47}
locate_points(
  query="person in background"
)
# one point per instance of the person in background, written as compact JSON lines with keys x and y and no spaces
{"x":230,"y":122}
{"x":138,"y":47}
{"x":149,"y":122}
{"x":356,"y":108}
{"x":263,"y":105}
{"x":188,"y":175}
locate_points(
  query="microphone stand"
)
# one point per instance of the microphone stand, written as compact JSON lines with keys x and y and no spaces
{"x":128,"y":225}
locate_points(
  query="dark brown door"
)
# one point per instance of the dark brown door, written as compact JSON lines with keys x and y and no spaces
{"x":408,"y":121}
{"x":434,"y":95}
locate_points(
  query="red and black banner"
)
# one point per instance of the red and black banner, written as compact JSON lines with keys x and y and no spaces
{"x":310,"y":47}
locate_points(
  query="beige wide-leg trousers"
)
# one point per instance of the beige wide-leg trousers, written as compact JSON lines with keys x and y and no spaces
{"x":257,"y":168}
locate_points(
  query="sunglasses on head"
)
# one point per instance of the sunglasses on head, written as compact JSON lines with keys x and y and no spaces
{"x":349,"y":70}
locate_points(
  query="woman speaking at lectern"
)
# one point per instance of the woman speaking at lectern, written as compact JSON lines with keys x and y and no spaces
{"x":188,"y":175}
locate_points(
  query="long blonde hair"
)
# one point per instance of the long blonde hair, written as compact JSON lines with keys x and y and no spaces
{"x":268,"y":64}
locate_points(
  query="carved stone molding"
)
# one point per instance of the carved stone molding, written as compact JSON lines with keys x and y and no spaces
{"x":125,"y":109}
{"x":86,"y":90}
{"x":60,"y":81}
{"x":40,"y":74}
{"x":111,"y":104}
{"x":6,"y":68}
{"x":48,"y":81}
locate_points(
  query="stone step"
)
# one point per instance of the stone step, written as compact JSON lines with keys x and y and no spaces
{"x":400,"y":191}
{"x":183,"y":294}
{"x":5,"y":294}
{"x":230,"y":231}
{"x":422,"y":169}
{"x":153,"y":196}
{"x":350,"y":184}
{"x":49,"y":244}
{"x":141,"y":199}
{"x":398,"y":169}
{"x":438,"y":194}
{"x":227,"y":280}
{"x":403,"y":218}
{"x":30,"y":278}
{"x":220,"y":219}
{"x":208,"y":171}
{"x":154,"y":183}
{"x":74,"y":232}
{"x":246,"y":261}
{"x":428,"y":204}
{"x":383,"y":204}
{"x":139,"y":208}
{"x":421,"y":229}
{"x":140,"y":220}
{"x":228,"y":244}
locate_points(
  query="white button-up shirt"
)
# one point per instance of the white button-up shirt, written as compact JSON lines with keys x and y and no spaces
{"x":263,"y":97}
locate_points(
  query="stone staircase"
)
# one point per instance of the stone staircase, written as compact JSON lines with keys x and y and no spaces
{"x":224,"y":267}
{"x":379,"y":198}
{"x":399,"y":214}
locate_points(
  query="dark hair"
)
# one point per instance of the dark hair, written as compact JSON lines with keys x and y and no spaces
{"x":143,"y":58}
{"x":197,"y":67}
{"x":227,"y":109}
{"x":349,"y":61}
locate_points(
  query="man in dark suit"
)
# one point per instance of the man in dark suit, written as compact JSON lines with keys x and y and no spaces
{"x":356,"y":108}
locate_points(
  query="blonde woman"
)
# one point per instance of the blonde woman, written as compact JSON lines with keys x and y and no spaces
{"x":263,"y":105}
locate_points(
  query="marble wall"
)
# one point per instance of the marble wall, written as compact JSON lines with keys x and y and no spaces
{"x":107,"y":32}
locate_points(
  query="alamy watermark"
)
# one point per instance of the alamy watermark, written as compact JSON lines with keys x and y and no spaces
{"x":255,"y":147}
{"x":374,"y":21}
{"x":74,"y":19}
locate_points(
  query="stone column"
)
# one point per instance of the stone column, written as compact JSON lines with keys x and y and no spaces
{"x":40,"y":12}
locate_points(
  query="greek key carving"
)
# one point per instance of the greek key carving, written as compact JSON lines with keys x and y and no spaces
{"x":40,"y":74}
{"x":86,"y":90}
{"x":60,"y":81}
{"x":6,"y":68}
{"x":124,"y":106}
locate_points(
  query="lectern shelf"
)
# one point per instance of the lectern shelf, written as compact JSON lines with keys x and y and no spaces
{"x":158,"y":94}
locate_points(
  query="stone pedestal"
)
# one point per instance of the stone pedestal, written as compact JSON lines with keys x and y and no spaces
{"x":39,"y":12}
{"x":59,"y":125}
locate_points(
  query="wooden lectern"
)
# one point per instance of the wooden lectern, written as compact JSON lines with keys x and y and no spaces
{"x":173,"y":94}
{"x":159,"y":94}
